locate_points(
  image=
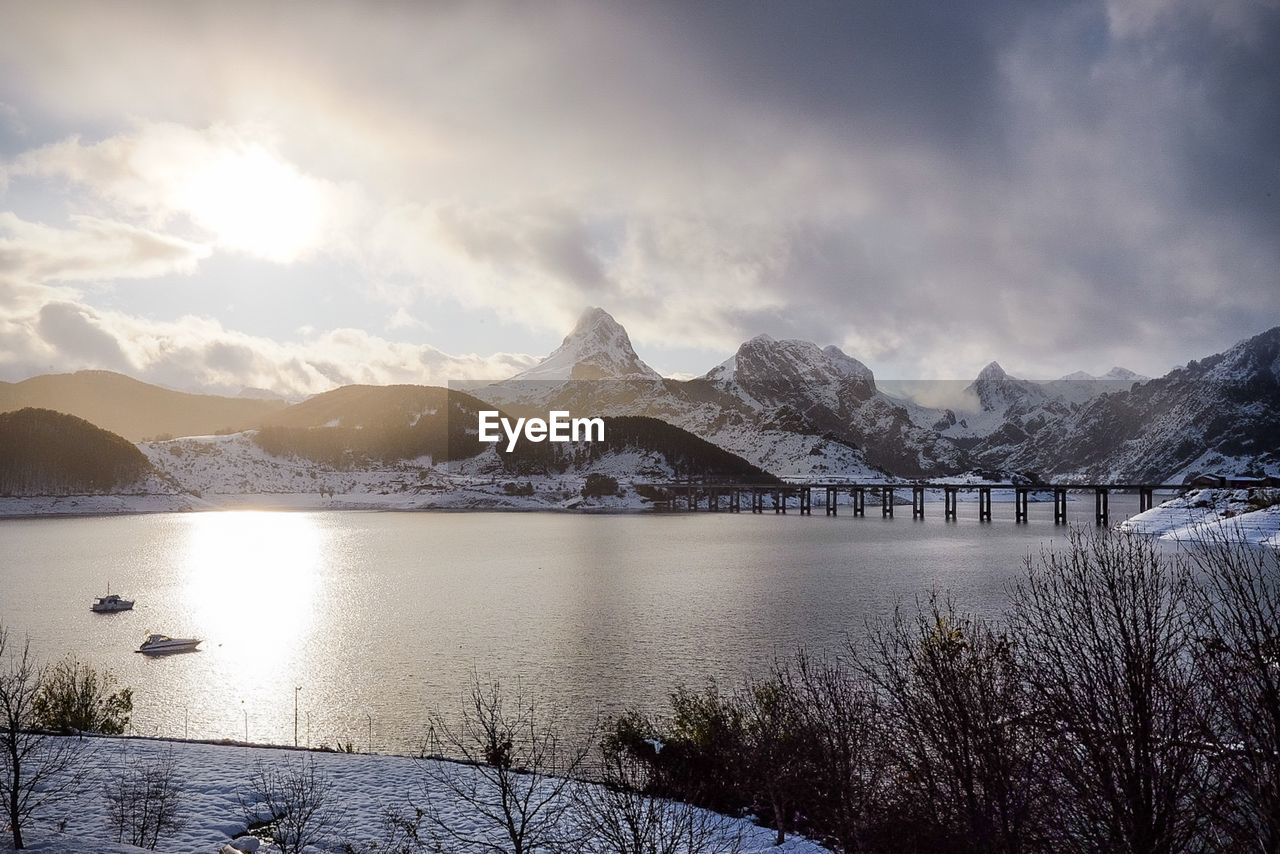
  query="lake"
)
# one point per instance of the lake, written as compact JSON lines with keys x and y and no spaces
{"x":379,"y":617}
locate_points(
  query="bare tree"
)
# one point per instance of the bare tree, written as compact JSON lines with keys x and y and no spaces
{"x":618,"y":817}
{"x":515,"y":775}
{"x":775,"y":751}
{"x":144,"y":801}
{"x":1107,"y":644}
{"x":297,"y":802}
{"x":968,"y":765}
{"x":37,"y":770}
{"x":1238,"y":659}
{"x":841,"y":720}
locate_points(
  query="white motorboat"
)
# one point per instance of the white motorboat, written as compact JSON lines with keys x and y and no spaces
{"x":163,"y":644}
{"x":111,"y":604}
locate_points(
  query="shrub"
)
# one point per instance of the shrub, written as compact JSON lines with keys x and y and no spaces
{"x":73,"y":697}
{"x":599,"y":485}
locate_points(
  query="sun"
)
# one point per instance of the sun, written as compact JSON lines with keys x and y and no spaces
{"x":254,"y":202}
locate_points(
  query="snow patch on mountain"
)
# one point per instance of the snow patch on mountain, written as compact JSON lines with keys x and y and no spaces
{"x":597,"y":348}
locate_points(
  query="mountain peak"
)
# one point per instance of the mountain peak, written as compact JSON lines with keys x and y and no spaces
{"x":597,"y":348}
{"x":592,"y":318}
{"x":1119,"y":373}
{"x":992,"y":371}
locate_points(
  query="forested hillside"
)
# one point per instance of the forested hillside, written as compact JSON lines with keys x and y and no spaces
{"x":684,"y":453}
{"x":354,"y":425}
{"x":134,"y":409}
{"x":43,"y":452}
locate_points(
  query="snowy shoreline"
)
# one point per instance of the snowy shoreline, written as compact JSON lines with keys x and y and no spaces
{"x":1212,"y":514}
{"x":99,"y":506}
{"x":215,"y":775}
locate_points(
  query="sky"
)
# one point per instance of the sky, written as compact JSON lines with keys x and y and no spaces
{"x":297,"y":196}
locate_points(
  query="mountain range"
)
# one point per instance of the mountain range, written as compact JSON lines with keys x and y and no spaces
{"x":787,"y":407}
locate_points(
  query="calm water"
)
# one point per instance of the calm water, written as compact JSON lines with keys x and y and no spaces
{"x":383,"y":615}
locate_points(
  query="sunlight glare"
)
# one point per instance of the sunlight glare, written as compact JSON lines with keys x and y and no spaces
{"x":255,"y":202}
{"x":252,"y":577}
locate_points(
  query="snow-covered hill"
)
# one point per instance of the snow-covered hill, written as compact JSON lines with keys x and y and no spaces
{"x":363,"y":790}
{"x":1219,"y":414}
{"x":1213,"y":515}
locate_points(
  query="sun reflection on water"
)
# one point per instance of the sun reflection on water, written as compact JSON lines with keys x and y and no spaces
{"x":251,"y":579}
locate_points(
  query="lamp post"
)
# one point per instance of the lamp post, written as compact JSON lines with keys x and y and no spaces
{"x":296,"y":689}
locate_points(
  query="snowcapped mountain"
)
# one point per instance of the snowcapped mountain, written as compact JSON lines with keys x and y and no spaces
{"x":1218,"y":414}
{"x":596,"y":348}
{"x":721,"y":410}
{"x":1117,"y":374}
{"x":1081,"y":387}
{"x":797,"y":387}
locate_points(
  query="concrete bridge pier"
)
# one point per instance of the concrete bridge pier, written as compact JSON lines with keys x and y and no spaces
{"x":886,"y":502}
{"x":1059,"y":506}
{"x":735,"y":501}
{"x":917,"y":502}
{"x":984,"y":504}
{"x":1101,"y":515}
{"x":859,"y":501}
{"x":806,"y":501}
{"x":949,"y":497}
{"x":779,"y":501}
{"x":713,"y":501}
{"x":757,"y":501}
{"x":1021,"y":497}
{"x":831,"y":496}
{"x":1146,"y":499}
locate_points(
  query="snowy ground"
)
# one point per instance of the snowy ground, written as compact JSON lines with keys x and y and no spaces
{"x":1212,"y":513}
{"x":214,"y":776}
{"x":232,"y":472}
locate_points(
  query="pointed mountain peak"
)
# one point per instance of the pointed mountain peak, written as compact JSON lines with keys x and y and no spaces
{"x":992,"y":371}
{"x":593,"y":319}
{"x":597,"y":348}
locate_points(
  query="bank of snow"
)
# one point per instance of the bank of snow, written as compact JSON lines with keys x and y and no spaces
{"x":214,"y":777}
{"x":234,"y":472}
{"x":1212,"y":514}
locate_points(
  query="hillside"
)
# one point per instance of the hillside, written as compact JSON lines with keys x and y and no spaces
{"x":353,"y":425}
{"x":1219,"y":414}
{"x":43,"y":452}
{"x":134,"y":409}
{"x":661,"y":452}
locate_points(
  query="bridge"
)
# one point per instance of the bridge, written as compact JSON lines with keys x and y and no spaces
{"x":728,"y":496}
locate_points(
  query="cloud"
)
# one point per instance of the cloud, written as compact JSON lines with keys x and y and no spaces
{"x":225,"y":183}
{"x":1061,"y":185}
{"x":200,"y":353}
{"x":92,"y":249}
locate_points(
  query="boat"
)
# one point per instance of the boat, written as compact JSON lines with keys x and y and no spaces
{"x":110,"y":604}
{"x":163,"y":644}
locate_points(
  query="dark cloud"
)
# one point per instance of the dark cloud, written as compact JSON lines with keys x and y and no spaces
{"x":75,"y":333}
{"x":1059,"y":185}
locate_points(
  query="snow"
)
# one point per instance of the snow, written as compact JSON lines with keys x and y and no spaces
{"x":597,"y":348}
{"x":1210,"y":514}
{"x":215,"y":775}
{"x":232,"y":472}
